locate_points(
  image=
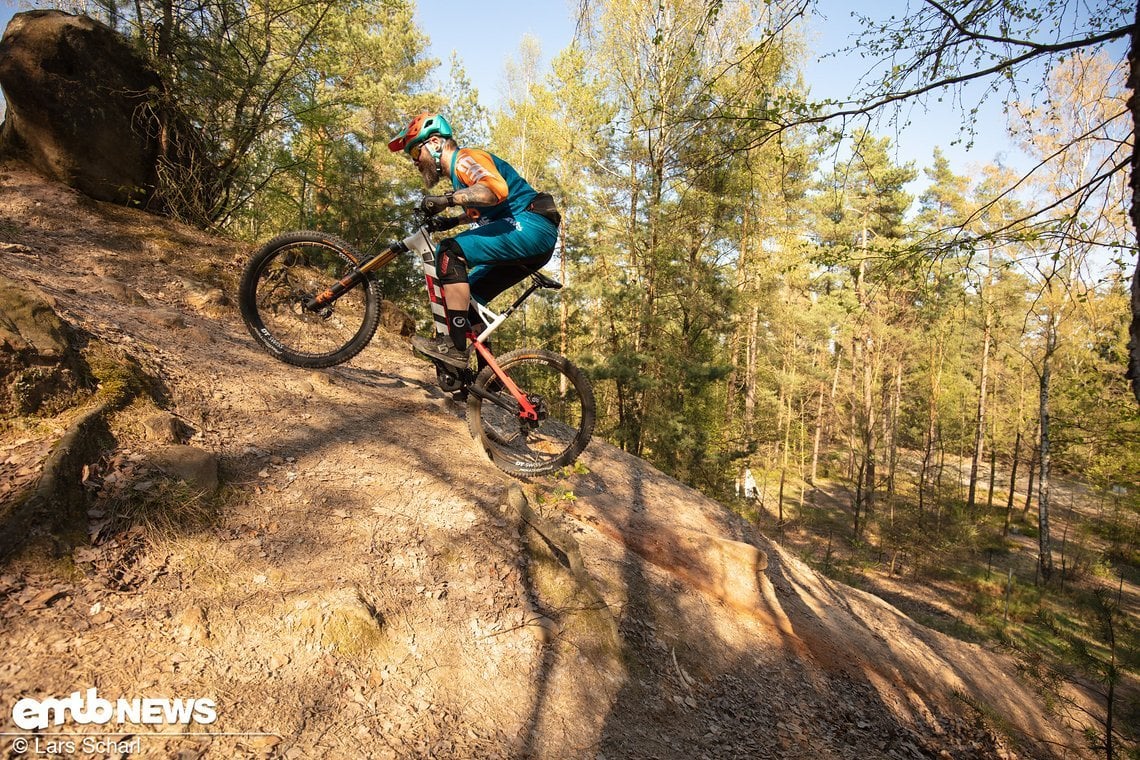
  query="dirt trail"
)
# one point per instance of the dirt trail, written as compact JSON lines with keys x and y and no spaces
{"x":372,"y":589}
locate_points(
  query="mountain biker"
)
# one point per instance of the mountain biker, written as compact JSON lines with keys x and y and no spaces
{"x":516,"y":232}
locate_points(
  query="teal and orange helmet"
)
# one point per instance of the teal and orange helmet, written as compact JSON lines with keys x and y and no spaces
{"x":423,"y":127}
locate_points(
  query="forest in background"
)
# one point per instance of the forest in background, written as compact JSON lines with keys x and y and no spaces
{"x":749,"y":284}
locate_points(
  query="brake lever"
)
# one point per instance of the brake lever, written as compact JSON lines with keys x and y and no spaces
{"x":437,"y":223}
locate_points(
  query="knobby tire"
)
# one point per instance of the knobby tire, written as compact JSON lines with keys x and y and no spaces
{"x":556,"y":441}
{"x":282,"y":275}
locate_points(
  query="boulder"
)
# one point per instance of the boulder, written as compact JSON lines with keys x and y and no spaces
{"x":29,"y":325}
{"x":35,"y":357}
{"x":195,"y":467}
{"x":396,"y":320}
{"x":205,"y":298}
{"x":163,"y":427}
{"x":80,"y":106}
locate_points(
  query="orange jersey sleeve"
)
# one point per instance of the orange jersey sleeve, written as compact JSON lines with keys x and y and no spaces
{"x":476,"y":167}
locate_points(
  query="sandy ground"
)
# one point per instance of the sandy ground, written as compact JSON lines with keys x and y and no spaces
{"x":372,"y":588}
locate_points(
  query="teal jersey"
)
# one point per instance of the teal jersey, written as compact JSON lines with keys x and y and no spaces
{"x":471,"y":167}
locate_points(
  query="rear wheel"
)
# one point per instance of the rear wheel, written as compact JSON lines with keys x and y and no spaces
{"x":287,"y":272}
{"x":559,"y":392}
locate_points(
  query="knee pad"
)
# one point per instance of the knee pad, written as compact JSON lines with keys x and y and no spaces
{"x":450,"y":264}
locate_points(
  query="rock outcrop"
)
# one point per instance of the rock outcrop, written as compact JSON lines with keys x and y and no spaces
{"x":35,"y":356}
{"x":81,"y":106}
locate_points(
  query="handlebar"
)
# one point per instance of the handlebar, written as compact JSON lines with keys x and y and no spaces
{"x":439,"y":223}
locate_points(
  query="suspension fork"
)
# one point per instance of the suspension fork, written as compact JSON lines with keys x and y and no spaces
{"x":526,"y":409}
{"x":353,"y":278}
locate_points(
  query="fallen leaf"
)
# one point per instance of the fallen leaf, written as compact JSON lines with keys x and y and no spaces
{"x":86,"y":554}
{"x":44,"y":599}
{"x":265,"y":742}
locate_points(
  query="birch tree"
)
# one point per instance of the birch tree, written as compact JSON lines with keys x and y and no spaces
{"x":1080,"y":103}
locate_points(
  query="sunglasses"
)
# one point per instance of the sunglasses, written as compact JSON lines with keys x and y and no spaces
{"x":415,"y":152}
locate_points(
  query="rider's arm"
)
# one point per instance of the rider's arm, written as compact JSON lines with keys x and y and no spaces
{"x":476,"y":195}
{"x":484,"y":185}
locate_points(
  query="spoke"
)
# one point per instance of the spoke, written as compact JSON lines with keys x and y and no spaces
{"x":527,"y":444}
{"x":293,"y":278}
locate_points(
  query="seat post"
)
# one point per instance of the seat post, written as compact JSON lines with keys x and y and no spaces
{"x":537,"y":280}
{"x":519,"y":301}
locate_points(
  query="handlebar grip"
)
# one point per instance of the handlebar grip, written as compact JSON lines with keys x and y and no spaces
{"x":433,"y":204}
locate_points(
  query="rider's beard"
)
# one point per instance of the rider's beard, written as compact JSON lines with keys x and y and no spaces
{"x":429,"y":173}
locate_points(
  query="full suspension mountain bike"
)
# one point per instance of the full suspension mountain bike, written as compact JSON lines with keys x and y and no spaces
{"x":311,"y":300}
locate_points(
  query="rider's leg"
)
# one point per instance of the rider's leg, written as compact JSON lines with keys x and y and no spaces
{"x":476,"y":279}
{"x":475,"y":320}
{"x":499,"y":254}
{"x":491,"y":279}
{"x":458,"y":297}
{"x":451,"y":265}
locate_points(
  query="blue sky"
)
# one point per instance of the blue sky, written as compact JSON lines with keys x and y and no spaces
{"x":502,"y":23}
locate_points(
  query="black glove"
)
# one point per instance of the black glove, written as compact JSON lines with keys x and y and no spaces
{"x":445,"y":223}
{"x":433,"y":204}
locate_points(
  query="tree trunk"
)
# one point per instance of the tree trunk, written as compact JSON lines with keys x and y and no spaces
{"x":941,"y":469}
{"x":1012,"y":483}
{"x":893,"y":461}
{"x":821,"y":421}
{"x":1045,"y":550}
{"x":815,"y":441}
{"x":742,"y":287}
{"x":803,"y":441}
{"x":931,"y":422}
{"x":780,"y":497}
{"x":1033,"y":461}
{"x":750,"y":370}
{"x":869,"y":458}
{"x":866,"y":354}
{"x":980,"y":415}
{"x":1134,"y":209}
{"x":993,"y":475}
{"x":165,"y":51}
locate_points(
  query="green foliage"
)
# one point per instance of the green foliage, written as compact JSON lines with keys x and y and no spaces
{"x":292,"y":104}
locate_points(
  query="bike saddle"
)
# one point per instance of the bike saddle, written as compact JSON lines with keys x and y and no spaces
{"x":546,"y":282}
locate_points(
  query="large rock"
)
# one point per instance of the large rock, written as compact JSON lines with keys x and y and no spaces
{"x":195,"y":467}
{"x":29,"y":327}
{"x":35,"y":355}
{"x":396,"y":320}
{"x":79,"y":105}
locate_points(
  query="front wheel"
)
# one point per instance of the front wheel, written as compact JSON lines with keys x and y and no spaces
{"x":561,"y":395}
{"x":288,"y":272}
